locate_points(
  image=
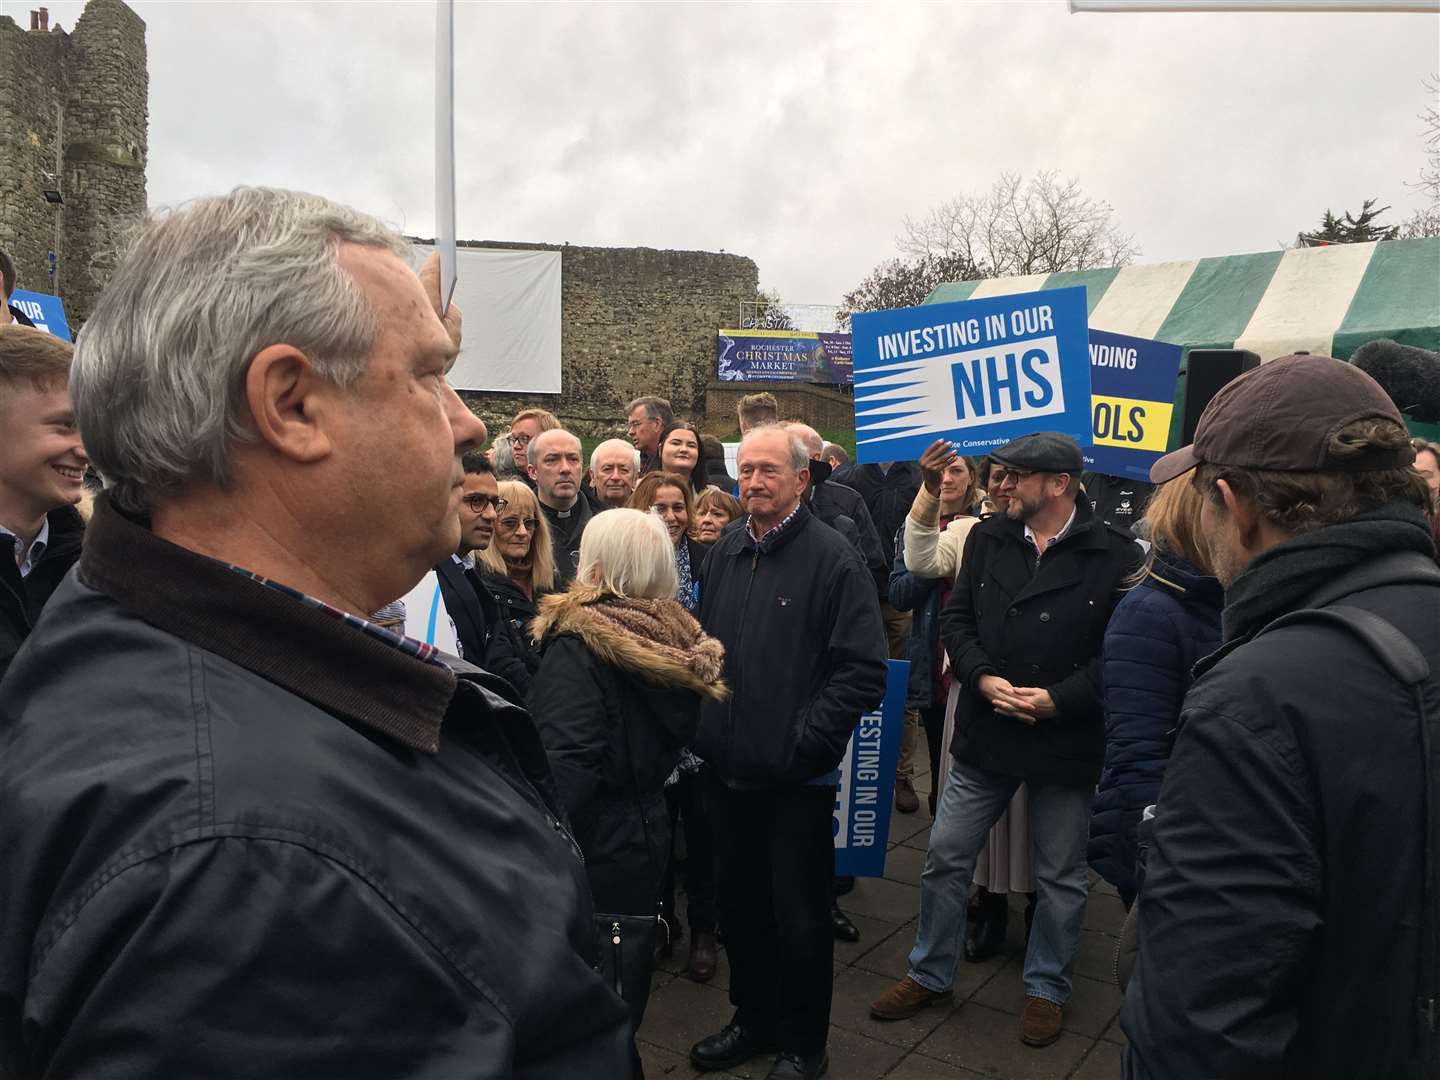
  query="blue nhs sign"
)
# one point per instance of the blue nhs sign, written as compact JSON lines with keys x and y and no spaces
{"x":977,"y":372}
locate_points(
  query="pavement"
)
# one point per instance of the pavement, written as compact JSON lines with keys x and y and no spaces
{"x":977,"y":1036}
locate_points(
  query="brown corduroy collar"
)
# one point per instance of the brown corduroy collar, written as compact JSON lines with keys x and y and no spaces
{"x":313,"y":655}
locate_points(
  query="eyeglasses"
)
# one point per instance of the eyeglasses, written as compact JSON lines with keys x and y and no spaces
{"x":518,"y":438}
{"x":1000,"y":477}
{"x":634,"y":424}
{"x":512,"y":524}
{"x":478,"y":502}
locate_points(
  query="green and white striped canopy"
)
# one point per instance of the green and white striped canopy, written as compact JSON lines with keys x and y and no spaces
{"x":1326,"y":300}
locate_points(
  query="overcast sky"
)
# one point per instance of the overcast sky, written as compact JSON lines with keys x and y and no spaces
{"x":797,"y":134}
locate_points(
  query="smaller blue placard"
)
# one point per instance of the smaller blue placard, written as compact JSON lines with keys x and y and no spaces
{"x":1132,"y":388}
{"x":44,"y":310}
{"x":977,"y":372}
{"x":866,"y":795}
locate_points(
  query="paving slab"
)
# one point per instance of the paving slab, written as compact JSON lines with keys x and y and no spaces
{"x":988,"y":1041}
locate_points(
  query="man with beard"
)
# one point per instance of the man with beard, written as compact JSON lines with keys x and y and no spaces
{"x":471,"y":608}
{"x":1286,"y":919}
{"x":1023,"y":628}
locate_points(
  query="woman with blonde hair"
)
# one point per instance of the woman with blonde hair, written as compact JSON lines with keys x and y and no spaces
{"x":1167,"y":622}
{"x":615,"y":699}
{"x":517,"y":569}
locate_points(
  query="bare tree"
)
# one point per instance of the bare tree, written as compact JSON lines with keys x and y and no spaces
{"x":1426,"y":222}
{"x":1042,"y":225}
{"x":905,"y":282}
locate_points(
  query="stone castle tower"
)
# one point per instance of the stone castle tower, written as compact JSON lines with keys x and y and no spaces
{"x":73,"y":120}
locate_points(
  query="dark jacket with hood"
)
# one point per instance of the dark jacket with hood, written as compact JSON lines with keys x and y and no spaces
{"x":1161,"y":628}
{"x":1281,"y":885}
{"x":1035,"y":627}
{"x":613,"y":716}
{"x":243,"y":838}
{"x":804,"y":652}
{"x":843,"y":509}
{"x":21,"y":599}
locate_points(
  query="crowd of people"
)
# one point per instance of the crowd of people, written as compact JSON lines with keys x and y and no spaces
{"x":337,"y":739}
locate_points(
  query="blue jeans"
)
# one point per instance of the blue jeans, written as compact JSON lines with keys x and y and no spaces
{"x":1060,"y":821}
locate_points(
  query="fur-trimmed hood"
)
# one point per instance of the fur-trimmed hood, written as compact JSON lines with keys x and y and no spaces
{"x":656,"y":640}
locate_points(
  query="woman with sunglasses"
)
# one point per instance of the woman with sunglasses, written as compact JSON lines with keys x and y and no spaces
{"x":516,"y":569}
{"x":667,"y":496}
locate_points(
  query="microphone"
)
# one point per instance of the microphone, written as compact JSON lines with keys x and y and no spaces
{"x":1410,"y":376}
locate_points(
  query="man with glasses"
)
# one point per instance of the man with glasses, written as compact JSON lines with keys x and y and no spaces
{"x":524,"y":429}
{"x":646,"y":418}
{"x":1023,"y":629}
{"x":470,"y":607}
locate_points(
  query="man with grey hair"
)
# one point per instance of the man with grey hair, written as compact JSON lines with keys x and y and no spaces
{"x":614,"y":471}
{"x":804,"y":655}
{"x":557,"y":468}
{"x":246,"y":830}
{"x":646,"y":417}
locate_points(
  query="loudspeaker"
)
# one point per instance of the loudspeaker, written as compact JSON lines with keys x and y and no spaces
{"x":1206,"y":371}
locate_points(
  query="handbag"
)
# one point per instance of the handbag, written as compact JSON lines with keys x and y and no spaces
{"x":625,"y":944}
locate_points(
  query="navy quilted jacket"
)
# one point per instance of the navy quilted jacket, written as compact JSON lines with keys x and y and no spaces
{"x":1159,"y":630}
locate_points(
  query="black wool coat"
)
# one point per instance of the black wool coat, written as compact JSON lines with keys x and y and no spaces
{"x":1035,"y":626}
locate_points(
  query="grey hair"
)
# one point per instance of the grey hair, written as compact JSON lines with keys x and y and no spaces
{"x":609,"y":443}
{"x":799,"y":454}
{"x":504,"y":460}
{"x":159,"y":376}
{"x":629,"y":553}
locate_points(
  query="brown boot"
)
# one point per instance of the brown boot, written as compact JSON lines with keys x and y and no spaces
{"x":906,"y":801}
{"x":1040,"y":1022}
{"x":905,"y":999}
{"x":703,"y":957}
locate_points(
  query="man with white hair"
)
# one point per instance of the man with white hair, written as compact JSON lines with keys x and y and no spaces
{"x":804,"y":657}
{"x":247,"y":831}
{"x":557,"y":468}
{"x":614,"y":471}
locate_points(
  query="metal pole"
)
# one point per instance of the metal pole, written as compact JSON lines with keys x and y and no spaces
{"x":59,"y":164}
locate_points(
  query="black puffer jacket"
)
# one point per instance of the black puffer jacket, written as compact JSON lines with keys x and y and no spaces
{"x":1035,"y":627}
{"x":21,"y":599}
{"x":804,"y":652}
{"x":613,"y":715}
{"x":244,"y":839}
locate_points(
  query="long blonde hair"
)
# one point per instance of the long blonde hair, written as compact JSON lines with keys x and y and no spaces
{"x":520,"y":501}
{"x":1172,"y":521}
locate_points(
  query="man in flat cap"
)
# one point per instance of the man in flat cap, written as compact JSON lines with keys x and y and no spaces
{"x":1023,"y":629}
{"x":1287,"y":923}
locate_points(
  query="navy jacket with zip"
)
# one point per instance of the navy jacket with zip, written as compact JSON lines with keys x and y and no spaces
{"x":1160,"y":629}
{"x":804,"y":652}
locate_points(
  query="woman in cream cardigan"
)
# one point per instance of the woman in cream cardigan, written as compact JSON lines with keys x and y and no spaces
{"x":1004,"y":866}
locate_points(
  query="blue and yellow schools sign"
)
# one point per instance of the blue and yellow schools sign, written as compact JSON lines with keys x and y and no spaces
{"x":865,"y":796}
{"x":1132,"y":388}
{"x":977,"y":372}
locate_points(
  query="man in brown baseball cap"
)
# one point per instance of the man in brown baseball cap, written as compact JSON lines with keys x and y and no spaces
{"x":1286,"y":915}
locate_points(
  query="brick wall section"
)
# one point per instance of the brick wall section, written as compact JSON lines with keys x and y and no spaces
{"x":822,"y":408}
{"x":634,"y":321}
{"x":98,"y":74}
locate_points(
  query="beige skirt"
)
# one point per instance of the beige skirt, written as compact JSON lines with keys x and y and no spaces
{"x":1004,"y":864}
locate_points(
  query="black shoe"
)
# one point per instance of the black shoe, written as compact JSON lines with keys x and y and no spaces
{"x":987,"y":934}
{"x":845,"y":930}
{"x":799,"y":1067}
{"x":729,"y":1047}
